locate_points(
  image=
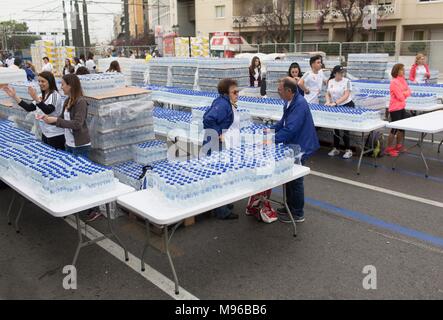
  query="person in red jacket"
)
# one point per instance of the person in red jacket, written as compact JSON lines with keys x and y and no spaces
{"x":400,"y":91}
{"x":420,"y":70}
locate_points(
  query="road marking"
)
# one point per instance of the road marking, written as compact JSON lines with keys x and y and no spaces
{"x":417,"y":244}
{"x":150,"y":274}
{"x":393,"y":227}
{"x":378,"y":189}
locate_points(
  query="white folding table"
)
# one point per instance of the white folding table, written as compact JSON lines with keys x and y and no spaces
{"x":431,"y":108}
{"x":152,"y":206}
{"x":70,"y":206}
{"x":364,"y":130}
{"x":429,"y":123}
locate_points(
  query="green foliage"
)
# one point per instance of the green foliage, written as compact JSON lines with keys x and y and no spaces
{"x":417,"y":47}
{"x":17,"y":42}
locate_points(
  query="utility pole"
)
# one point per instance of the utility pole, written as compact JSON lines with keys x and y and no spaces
{"x":86,"y":23}
{"x":74,"y":27}
{"x":65,"y":22}
{"x":79,"y":25}
{"x":146,"y":17}
{"x":291,"y":22}
{"x":158,"y":11}
{"x":126,"y":14}
{"x":302,"y":28}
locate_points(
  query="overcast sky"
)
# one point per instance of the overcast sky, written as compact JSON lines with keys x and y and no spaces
{"x":101,"y":24}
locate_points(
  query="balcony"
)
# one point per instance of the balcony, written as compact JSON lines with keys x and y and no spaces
{"x":386,"y":11}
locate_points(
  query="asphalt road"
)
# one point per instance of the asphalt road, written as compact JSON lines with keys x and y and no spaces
{"x":347,"y":227}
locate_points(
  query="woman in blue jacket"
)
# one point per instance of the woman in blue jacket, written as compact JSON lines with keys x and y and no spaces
{"x":222,"y":123}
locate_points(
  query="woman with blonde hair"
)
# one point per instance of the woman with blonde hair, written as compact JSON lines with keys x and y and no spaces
{"x":420,"y":72}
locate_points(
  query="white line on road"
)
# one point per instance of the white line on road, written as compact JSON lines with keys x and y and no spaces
{"x":150,"y":274}
{"x":378,"y":189}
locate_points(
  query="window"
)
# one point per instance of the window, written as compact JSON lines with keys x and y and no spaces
{"x":220,"y":11}
{"x":419,"y":35}
{"x":380,"y":36}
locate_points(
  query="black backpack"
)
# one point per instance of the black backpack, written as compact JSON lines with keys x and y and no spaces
{"x":377,"y":140}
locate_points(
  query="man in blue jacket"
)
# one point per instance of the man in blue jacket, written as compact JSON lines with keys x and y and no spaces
{"x":295,"y":128}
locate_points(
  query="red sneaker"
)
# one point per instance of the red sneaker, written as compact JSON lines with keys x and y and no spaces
{"x":267,"y":213}
{"x":400,"y":148}
{"x":391,"y":151}
{"x":252,"y":208}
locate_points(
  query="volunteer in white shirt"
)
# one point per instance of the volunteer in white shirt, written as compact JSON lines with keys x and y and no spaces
{"x":10,"y":61}
{"x":47,"y":66}
{"x":77,"y":64}
{"x":16,"y":64}
{"x":50,"y":103}
{"x":339,"y":95}
{"x":312,"y":81}
{"x":90,"y":64}
{"x":420,"y":72}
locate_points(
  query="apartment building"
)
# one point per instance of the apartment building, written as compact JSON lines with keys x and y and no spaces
{"x":399,"y":20}
{"x":173,"y":16}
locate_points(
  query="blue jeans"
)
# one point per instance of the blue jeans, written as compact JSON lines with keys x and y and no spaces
{"x":295,"y":195}
{"x":79,"y":151}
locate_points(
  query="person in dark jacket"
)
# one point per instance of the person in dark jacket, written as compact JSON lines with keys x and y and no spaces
{"x":218,"y":121}
{"x":30,"y":71}
{"x":255,"y":76}
{"x":295,"y":128}
{"x":295,"y":73}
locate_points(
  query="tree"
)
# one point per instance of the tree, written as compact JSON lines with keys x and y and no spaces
{"x":351,"y":11}
{"x":272,"y":18}
{"x":14,"y":41}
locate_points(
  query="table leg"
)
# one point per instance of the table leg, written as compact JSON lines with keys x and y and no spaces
{"x":361,"y":153}
{"x":147,"y":243}
{"x":8,"y":214}
{"x":285,"y":202}
{"x":17,"y":229}
{"x":113,"y":234}
{"x":80,"y":238}
{"x":167,"y":239}
{"x":420,"y":146}
{"x":374,"y":156}
{"x":439,"y":146}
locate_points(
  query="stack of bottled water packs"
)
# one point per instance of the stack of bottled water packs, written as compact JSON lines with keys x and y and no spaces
{"x":103,"y":83}
{"x":342,"y":116}
{"x":129,"y":173}
{"x":188,"y":125}
{"x":212,"y":176}
{"x":436,"y":89}
{"x":416,"y":100}
{"x":200,"y":73}
{"x":257,"y":107}
{"x":53,"y":175}
{"x":116,"y":127}
{"x":150,"y":151}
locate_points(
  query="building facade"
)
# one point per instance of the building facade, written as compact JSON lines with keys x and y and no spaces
{"x":138,"y":18}
{"x":173,"y":16}
{"x":399,"y":20}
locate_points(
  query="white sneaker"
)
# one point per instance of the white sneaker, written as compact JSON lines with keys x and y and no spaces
{"x":348,"y":154}
{"x":334,"y":152}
